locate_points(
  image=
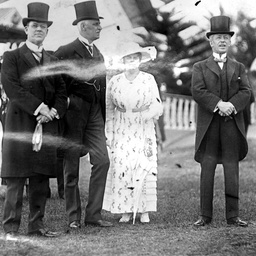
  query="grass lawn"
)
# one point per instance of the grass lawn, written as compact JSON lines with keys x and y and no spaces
{"x":170,"y":231}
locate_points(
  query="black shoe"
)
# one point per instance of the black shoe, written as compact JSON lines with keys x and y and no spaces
{"x":74,"y":224}
{"x":99,"y":223}
{"x":44,"y":232}
{"x":202,"y":221}
{"x":237,"y":222}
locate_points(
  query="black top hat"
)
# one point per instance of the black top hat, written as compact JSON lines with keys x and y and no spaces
{"x":86,"y":11}
{"x":220,"y":25}
{"x":37,"y":12}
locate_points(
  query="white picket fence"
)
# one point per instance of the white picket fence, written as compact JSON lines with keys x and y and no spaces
{"x":179,"y":112}
{"x":253,"y":113}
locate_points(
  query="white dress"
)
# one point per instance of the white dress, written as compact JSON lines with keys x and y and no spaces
{"x":126,"y":132}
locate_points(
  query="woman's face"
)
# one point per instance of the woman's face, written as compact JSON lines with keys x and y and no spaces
{"x":132,"y":61}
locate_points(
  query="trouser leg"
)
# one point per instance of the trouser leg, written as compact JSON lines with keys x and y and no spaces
{"x":208,"y":166}
{"x":230,"y":137}
{"x":71,"y":190}
{"x":13,"y":204}
{"x":231,"y":173}
{"x":96,"y":141}
{"x":60,"y":177}
{"x":75,"y":122}
{"x":207,"y":187}
{"x":38,"y":189}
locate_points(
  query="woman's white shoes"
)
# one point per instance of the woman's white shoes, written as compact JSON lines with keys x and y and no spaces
{"x":125,"y":217}
{"x":144,"y":218}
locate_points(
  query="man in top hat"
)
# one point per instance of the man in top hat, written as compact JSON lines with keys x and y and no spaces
{"x":84,"y":130}
{"x":221,"y":89}
{"x":32,"y":101}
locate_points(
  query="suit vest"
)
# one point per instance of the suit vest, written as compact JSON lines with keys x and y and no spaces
{"x":89,"y":91}
{"x":224,"y":83}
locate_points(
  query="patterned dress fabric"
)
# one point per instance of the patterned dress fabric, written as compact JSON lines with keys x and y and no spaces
{"x":127,"y":131}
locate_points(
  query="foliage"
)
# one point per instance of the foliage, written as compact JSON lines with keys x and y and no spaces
{"x":244,"y":49}
{"x":174,"y":65}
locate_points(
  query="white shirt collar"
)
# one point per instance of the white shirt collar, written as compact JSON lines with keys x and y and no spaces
{"x":34,"y":47}
{"x":216,"y":55}
{"x":82,"y":39}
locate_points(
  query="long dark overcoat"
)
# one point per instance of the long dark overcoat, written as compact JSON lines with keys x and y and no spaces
{"x":75,"y":51}
{"x":206,"y":90}
{"x":25,"y":95}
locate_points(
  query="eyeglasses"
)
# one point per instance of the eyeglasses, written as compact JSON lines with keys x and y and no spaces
{"x":35,"y":25}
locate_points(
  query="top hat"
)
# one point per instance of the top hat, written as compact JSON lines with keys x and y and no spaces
{"x":37,"y":12}
{"x":86,"y":11}
{"x":220,"y":25}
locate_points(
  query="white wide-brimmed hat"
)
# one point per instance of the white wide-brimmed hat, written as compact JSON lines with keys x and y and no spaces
{"x":128,"y":48}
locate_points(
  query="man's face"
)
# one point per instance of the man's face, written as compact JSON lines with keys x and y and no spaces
{"x":220,"y":43}
{"x":91,"y":30}
{"x":36,"y":32}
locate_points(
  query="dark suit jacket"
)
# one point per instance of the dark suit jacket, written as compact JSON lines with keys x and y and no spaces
{"x":25,"y":95}
{"x":206,"y":89}
{"x":76,"y":51}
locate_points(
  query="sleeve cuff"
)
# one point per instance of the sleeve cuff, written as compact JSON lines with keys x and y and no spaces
{"x":216,"y":107}
{"x":38,"y":109}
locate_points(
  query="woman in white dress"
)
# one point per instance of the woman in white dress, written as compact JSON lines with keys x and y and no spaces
{"x":133,"y":102}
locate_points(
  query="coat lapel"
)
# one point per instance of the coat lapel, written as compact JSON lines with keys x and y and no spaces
{"x":46,"y":58}
{"x":26,"y":54}
{"x":81,"y":49}
{"x":46,"y":79}
{"x":213,"y":66}
{"x":231,"y":66}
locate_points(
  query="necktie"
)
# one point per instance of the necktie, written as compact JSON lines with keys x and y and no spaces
{"x":220,"y":60}
{"x":37,"y":55}
{"x":89,"y":47}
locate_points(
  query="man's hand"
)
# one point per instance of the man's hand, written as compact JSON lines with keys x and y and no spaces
{"x":42,"y":119}
{"x":49,"y":116}
{"x":45,"y":111}
{"x":53,"y":113}
{"x":225,"y":108}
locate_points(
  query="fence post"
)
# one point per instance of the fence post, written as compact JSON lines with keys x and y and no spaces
{"x":179,"y":112}
{"x":173,"y":113}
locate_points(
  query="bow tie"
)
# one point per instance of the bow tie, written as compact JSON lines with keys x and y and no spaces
{"x":220,"y":60}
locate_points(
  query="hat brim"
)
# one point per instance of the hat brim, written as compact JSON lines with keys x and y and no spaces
{"x":145,"y":56}
{"x":208,"y":34}
{"x":86,"y":18}
{"x":26,"y":20}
